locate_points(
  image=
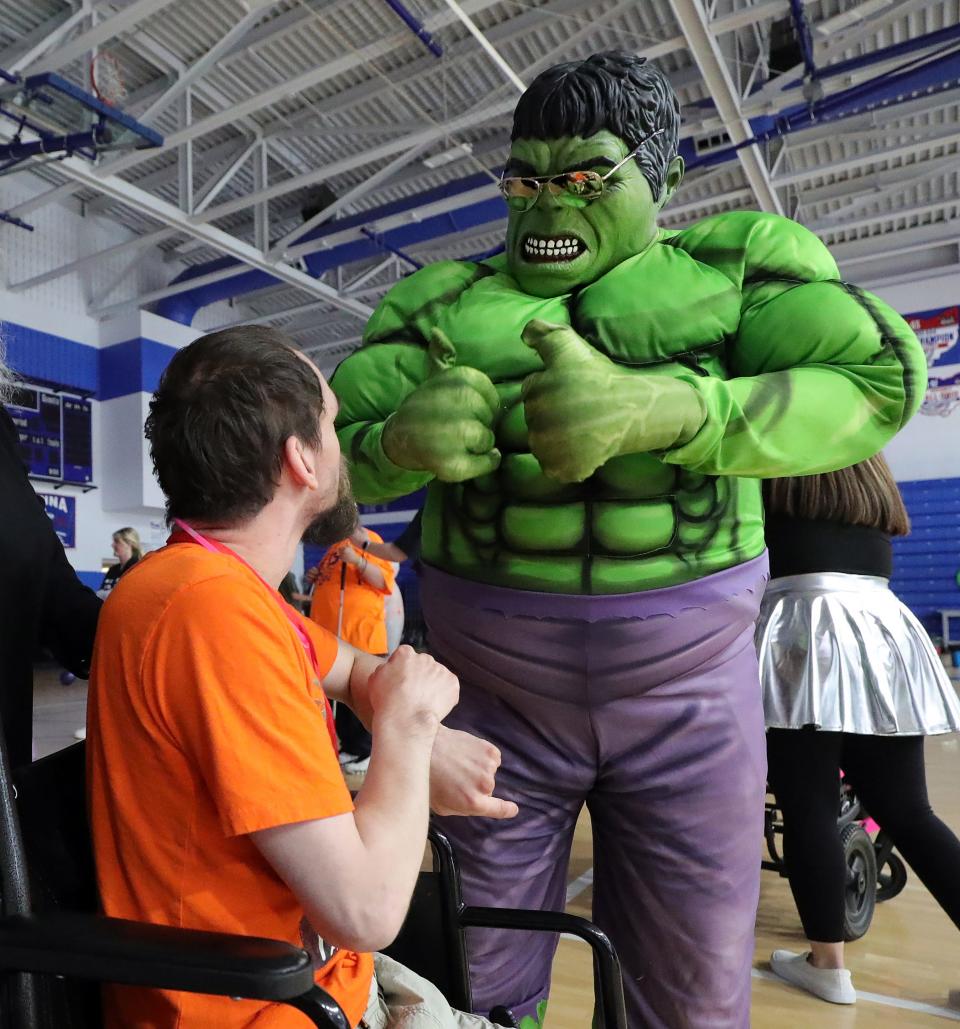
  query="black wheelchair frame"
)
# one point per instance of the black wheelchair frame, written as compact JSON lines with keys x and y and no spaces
{"x":874,"y":872}
{"x":55,"y":949}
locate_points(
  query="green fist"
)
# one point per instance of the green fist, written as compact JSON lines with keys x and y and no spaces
{"x":446,"y":425}
{"x":583,"y":409}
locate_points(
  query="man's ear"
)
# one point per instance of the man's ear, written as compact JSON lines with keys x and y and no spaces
{"x":672,"y":181}
{"x":299,"y":463}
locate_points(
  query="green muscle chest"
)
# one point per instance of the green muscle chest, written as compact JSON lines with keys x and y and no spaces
{"x":637,"y":520}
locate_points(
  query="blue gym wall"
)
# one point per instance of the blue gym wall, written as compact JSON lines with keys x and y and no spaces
{"x":133,"y":366}
{"x":104,"y":373}
{"x":927,"y":561}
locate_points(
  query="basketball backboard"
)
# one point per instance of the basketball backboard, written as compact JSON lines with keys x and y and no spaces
{"x":48,"y":115}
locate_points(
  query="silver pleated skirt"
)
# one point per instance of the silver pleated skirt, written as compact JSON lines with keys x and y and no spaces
{"x":841,"y":652}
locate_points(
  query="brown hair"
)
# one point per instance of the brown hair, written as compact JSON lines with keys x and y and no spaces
{"x":131,"y":537}
{"x":863,"y":494}
{"x":219,"y":420}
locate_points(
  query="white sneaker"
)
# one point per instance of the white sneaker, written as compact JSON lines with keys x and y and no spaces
{"x":356,"y":767}
{"x":831,"y":984}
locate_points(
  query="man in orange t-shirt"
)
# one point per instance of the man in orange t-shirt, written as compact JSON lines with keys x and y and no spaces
{"x":367,"y":581}
{"x":211,"y":668}
{"x":349,"y":594}
{"x":215,"y":797}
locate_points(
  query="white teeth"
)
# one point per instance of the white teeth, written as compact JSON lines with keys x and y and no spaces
{"x":552,"y":248}
{"x":559,"y":247}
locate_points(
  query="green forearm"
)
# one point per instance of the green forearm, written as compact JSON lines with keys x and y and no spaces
{"x":667,"y":416}
{"x":374,"y":476}
{"x":799,"y":422}
{"x":822,"y":376}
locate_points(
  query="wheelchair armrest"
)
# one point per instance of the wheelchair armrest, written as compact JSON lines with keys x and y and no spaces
{"x":609,"y":980}
{"x":115,"y":950}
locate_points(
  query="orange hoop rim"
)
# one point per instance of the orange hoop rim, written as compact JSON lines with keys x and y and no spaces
{"x":107,"y":87}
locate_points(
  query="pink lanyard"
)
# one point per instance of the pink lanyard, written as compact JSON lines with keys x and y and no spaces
{"x":305,"y":641}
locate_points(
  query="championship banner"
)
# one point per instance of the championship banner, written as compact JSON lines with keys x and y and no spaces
{"x":938,"y":334}
{"x":62,"y":511}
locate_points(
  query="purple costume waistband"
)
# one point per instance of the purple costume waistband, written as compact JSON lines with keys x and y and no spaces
{"x":670,"y":600}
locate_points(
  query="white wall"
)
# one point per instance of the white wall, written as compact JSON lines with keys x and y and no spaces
{"x":95,"y":525}
{"x":939,"y":291}
{"x":61,"y":235}
{"x":63,"y":232}
{"x":927,"y":448}
{"x":929,"y":445}
{"x":127,"y":493}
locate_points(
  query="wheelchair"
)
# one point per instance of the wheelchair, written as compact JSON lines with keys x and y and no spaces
{"x":874,"y":872}
{"x":55,"y":949}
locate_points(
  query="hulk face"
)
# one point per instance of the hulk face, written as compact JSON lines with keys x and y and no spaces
{"x":561,"y":243}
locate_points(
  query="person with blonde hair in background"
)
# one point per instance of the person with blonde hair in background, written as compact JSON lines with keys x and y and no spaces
{"x":850,"y":680}
{"x":128,"y":551}
{"x":42,"y":601}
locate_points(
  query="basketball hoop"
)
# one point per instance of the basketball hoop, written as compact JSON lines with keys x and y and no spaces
{"x":55,"y":118}
{"x":106,"y":79}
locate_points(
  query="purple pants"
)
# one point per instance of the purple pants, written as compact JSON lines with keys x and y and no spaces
{"x":647,"y":708}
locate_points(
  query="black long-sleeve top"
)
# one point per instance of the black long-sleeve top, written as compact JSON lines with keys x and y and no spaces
{"x":41,"y":599}
{"x":799,"y":546}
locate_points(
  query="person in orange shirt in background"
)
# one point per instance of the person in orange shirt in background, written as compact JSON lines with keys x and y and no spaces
{"x":350,"y":590}
{"x":214,"y":793}
{"x":356,"y":616}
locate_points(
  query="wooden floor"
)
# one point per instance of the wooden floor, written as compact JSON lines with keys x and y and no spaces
{"x":910,"y":957}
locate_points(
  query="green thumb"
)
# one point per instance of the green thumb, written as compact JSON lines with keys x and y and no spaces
{"x":556,"y":344}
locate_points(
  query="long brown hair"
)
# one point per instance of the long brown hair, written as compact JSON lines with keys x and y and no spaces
{"x":863,"y":494}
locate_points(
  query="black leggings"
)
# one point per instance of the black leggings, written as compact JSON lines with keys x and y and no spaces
{"x":888,"y":775}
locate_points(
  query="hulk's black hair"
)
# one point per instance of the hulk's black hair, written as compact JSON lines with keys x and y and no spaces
{"x":616,"y":91}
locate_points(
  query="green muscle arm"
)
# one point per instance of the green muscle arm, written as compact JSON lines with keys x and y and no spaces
{"x":393,"y":361}
{"x":824,"y":374}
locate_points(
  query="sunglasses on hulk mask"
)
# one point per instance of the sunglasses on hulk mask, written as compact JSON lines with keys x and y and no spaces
{"x":573,"y":188}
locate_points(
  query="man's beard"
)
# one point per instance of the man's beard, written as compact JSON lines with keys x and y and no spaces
{"x":338,"y":521}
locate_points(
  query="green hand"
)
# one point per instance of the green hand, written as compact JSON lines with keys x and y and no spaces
{"x":582,"y":409}
{"x":445,"y":426}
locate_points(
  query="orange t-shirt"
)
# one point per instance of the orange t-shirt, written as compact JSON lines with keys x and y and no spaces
{"x":364,"y":620}
{"x":206,"y":723}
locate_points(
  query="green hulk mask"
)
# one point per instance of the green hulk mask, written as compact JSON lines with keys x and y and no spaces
{"x":591,"y":410}
{"x":604,"y":232}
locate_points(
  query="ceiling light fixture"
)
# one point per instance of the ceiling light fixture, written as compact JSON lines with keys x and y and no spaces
{"x":448,"y":156}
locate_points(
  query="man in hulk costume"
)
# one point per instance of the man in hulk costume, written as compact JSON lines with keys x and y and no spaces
{"x":592,"y":412}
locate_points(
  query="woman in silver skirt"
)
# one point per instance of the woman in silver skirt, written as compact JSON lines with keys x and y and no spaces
{"x":851,"y":681}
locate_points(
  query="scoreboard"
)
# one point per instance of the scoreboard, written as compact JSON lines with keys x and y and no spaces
{"x":77,"y":439}
{"x":56,"y":434}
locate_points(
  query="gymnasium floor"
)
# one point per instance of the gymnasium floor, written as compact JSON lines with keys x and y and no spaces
{"x":904,"y":968}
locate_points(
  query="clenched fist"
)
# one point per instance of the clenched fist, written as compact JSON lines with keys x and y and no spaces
{"x":446,"y":425}
{"x":412,"y":690}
